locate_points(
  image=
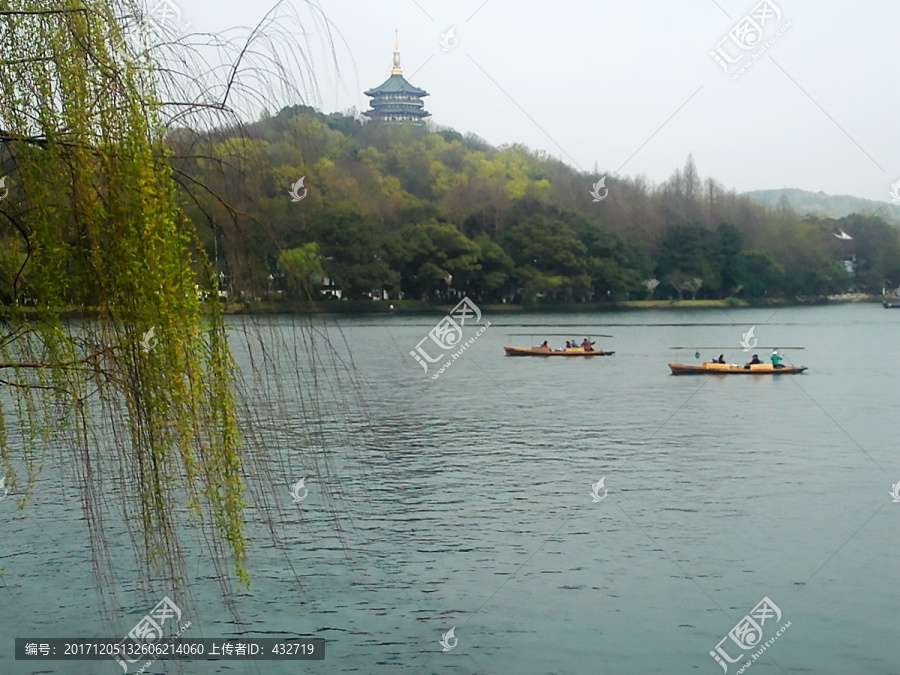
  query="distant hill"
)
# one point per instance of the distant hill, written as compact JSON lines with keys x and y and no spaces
{"x":829,"y":206}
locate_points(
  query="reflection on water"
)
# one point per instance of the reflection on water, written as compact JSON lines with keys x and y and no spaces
{"x":466,"y":502}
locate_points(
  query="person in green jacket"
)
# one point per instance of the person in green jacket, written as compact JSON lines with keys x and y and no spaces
{"x":776,"y":360}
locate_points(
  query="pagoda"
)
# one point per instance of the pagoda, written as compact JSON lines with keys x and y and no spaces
{"x":396,"y":100}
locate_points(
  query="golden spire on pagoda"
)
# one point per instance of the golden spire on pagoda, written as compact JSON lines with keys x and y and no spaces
{"x":396,"y":69}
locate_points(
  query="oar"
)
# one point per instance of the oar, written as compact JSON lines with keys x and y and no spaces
{"x":736,"y":346}
{"x":578,"y":325}
{"x":569,"y":334}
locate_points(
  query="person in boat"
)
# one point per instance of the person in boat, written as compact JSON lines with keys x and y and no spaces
{"x":753,"y":361}
{"x":777,"y":359}
{"x":721,"y":358}
{"x":568,"y":344}
{"x":545,"y":345}
{"x":587,"y":345}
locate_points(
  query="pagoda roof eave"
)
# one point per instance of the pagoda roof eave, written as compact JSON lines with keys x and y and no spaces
{"x":395,"y":84}
{"x":397,"y":107}
{"x":414,"y":113}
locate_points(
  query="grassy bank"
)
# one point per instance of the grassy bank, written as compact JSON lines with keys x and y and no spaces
{"x":264,"y":307}
{"x":692,"y":304}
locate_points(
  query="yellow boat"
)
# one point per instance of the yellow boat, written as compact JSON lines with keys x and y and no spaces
{"x":714,"y":368}
{"x":546,"y":351}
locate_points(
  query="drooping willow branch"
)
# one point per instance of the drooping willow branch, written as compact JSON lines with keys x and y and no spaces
{"x":97,"y":211}
{"x":60,"y":364}
{"x":30,"y":12}
{"x":97,"y":226}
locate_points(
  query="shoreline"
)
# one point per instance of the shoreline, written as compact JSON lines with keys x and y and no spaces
{"x":282,"y":307}
{"x":422,"y":307}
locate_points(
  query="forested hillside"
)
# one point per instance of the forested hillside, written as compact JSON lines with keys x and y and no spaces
{"x":824,"y":205}
{"x":430,"y":214}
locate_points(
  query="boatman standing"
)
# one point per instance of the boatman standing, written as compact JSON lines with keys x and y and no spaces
{"x":776,"y":360}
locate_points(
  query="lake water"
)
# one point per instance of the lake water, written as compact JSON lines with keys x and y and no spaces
{"x":466,"y":502}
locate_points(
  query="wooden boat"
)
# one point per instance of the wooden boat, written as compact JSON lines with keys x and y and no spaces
{"x":546,"y":351}
{"x":713,"y":368}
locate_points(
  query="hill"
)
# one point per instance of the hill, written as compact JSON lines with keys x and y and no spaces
{"x":824,"y":205}
{"x":427,"y":213}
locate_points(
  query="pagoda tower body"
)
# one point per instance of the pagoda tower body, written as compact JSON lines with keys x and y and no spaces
{"x":396,"y":100}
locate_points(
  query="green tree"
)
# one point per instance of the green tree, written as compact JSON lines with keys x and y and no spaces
{"x":302,"y":270}
{"x":688,"y":252}
{"x":354,"y":253}
{"x":494,"y":277}
{"x":548,"y":246}
{"x":551,"y":260}
{"x":616,"y":269}
{"x":756,"y":274}
{"x":432,"y":255}
{"x":805,"y":251}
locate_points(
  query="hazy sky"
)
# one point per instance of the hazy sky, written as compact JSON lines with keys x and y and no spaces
{"x":631,"y":86}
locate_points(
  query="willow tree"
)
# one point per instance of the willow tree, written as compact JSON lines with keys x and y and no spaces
{"x":142,"y":391}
